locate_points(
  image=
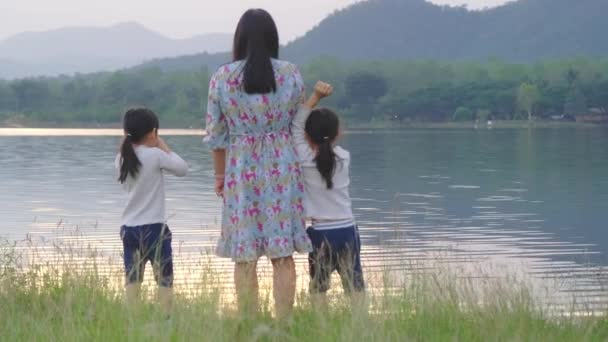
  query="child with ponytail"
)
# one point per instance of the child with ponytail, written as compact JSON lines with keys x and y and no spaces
{"x":327,"y":202}
{"x":143,"y":159}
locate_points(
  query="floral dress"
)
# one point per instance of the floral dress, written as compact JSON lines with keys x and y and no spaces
{"x":263,"y":192}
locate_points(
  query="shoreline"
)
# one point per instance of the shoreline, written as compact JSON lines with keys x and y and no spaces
{"x":471,"y":125}
{"x":116,"y":130}
{"x":84,"y":132}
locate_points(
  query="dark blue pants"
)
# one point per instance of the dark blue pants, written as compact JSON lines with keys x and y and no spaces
{"x":148,"y":243}
{"x":335,"y":250}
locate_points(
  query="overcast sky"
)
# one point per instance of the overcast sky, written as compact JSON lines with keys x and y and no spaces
{"x":174,"y":18}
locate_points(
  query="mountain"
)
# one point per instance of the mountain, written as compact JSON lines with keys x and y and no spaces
{"x":519,"y":31}
{"x":90,"y":49}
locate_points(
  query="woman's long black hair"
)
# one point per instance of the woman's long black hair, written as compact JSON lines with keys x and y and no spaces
{"x":322,"y":128}
{"x":137,"y":124}
{"x":257,"y":41}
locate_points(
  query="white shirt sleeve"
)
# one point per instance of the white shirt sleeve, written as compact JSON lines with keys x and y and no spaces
{"x":117,"y":161}
{"x":173,"y":164}
{"x":298,"y":132}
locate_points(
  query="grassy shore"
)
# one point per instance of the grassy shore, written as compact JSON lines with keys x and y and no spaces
{"x":72,"y":298}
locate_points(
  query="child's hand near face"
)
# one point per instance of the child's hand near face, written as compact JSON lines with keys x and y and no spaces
{"x":160,"y":143}
{"x":321,"y":91}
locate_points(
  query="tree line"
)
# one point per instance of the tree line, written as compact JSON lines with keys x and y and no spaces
{"x":364,"y":92}
{"x":100,"y":99}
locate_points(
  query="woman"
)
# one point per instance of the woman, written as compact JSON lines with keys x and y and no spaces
{"x":252,"y":102}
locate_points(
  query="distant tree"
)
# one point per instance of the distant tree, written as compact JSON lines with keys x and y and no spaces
{"x":182,"y":103}
{"x":552,"y":100}
{"x":7,"y":98}
{"x":431,"y":104}
{"x":576,"y":102}
{"x":528,"y":96}
{"x":483,"y":115}
{"x":364,"y":87}
{"x":31,"y":95}
{"x":114,"y":89}
{"x":463,"y":114}
{"x":571,"y":76}
{"x":597,"y":95}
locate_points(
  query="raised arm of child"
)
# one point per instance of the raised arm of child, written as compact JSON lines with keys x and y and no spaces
{"x":170,"y":161}
{"x":321,"y":91}
{"x":298,"y":131}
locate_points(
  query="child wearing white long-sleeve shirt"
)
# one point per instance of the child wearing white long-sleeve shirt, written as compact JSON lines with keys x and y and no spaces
{"x":327,"y":201}
{"x":143,"y":159}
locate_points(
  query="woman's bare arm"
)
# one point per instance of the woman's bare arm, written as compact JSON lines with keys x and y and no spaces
{"x":219,"y":164}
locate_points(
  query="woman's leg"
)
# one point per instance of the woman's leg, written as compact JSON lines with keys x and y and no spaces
{"x":246,"y":283}
{"x":284,"y":285}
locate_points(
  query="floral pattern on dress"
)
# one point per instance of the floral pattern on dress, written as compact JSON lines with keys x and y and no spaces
{"x":263,"y":193}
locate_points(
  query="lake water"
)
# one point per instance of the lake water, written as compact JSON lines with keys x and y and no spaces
{"x":532,"y":202}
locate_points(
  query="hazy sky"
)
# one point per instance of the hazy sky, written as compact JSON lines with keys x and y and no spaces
{"x":175,"y":18}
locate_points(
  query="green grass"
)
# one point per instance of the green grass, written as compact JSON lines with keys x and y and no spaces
{"x":74,"y":298}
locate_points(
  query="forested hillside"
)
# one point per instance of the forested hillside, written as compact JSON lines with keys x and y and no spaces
{"x":520,"y":31}
{"x":526,"y":30}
